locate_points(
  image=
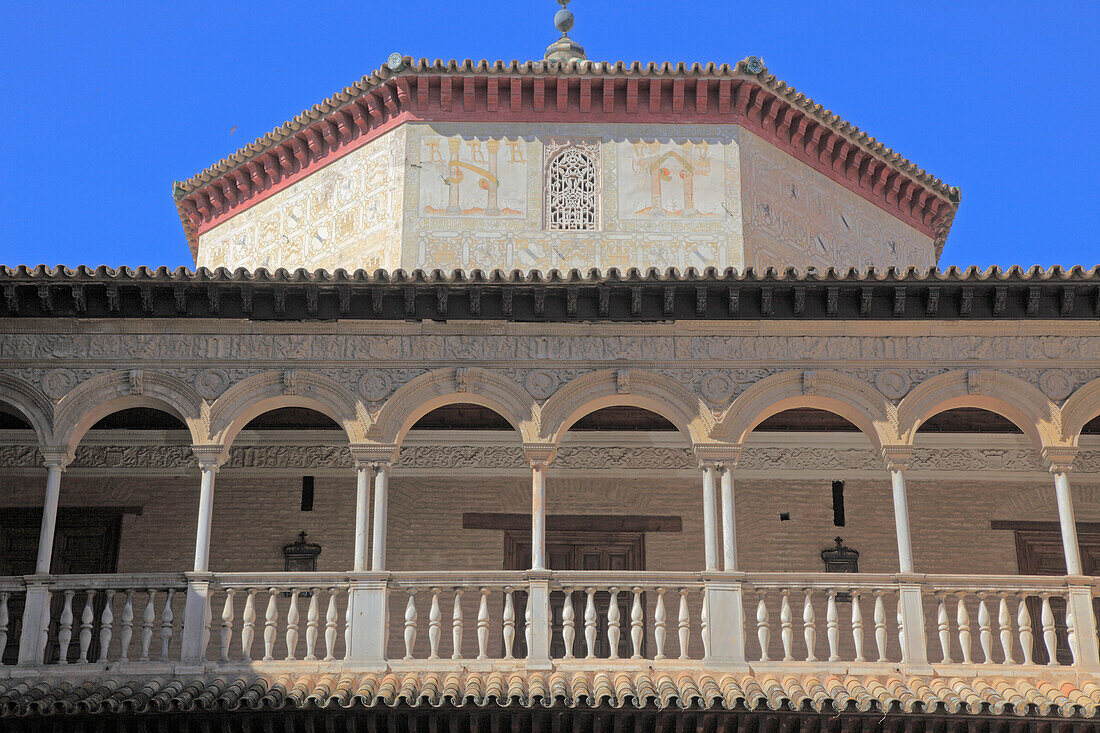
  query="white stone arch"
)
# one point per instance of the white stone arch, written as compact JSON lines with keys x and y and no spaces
{"x":104,"y":394}
{"x":464,"y":385}
{"x":273,"y":390}
{"x":1010,"y":397}
{"x":1081,"y":407}
{"x":627,"y":388}
{"x":31,"y":404}
{"x":857,"y":402}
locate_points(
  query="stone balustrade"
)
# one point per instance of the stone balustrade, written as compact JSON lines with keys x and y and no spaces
{"x":548,"y":619}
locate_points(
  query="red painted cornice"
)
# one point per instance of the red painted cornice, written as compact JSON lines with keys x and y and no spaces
{"x":573,"y":93}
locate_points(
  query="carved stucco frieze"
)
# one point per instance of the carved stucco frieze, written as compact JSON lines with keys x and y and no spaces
{"x":1050,"y":352}
{"x":568,"y":457}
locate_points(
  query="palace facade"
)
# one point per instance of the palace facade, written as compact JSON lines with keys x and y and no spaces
{"x":558,"y":395}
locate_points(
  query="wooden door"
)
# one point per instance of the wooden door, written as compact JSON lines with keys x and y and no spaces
{"x":593,"y":551}
{"x":85,"y":541}
{"x":1039,"y":552}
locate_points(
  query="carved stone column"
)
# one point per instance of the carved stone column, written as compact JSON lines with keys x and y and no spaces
{"x":368,"y":596}
{"x":910,"y":591}
{"x":36,"y":611}
{"x":192,"y":648}
{"x":1086,"y":654}
{"x":710,"y":521}
{"x":724,"y":595}
{"x":538,"y":578}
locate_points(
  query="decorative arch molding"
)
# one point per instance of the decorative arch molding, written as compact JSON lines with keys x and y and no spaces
{"x":855,"y":401}
{"x":469,"y":385}
{"x":1010,"y":397}
{"x":631,"y":388}
{"x":1081,"y":407}
{"x":31,"y":403}
{"x":269,"y":391}
{"x":89,"y":401}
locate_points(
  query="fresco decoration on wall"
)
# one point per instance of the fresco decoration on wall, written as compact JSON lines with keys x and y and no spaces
{"x":345,"y":215}
{"x":633,"y":166}
{"x":794,"y":215}
{"x":472,"y":177}
{"x":684,"y":179}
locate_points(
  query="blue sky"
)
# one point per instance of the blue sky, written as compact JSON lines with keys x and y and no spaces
{"x":107,"y":104}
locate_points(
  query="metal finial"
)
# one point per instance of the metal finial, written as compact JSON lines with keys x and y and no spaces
{"x":565,"y":48}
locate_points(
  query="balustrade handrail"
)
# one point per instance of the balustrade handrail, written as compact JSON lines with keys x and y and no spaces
{"x":624,"y":579}
{"x":820,"y":581}
{"x":115,"y":581}
{"x":281,"y":580}
{"x":995,"y":583}
{"x":459,"y":579}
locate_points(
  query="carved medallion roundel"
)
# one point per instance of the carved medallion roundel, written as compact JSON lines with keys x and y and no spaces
{"x":211,"y":383}
{"x":57,"y":383}
{"x":717,"y":387}
{"x":374,"y":386}
{"x":893,"y":383}
{"x":540,"y":384}
{"x":1056,"y":384}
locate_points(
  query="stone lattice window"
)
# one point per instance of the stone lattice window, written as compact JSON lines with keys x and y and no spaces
{"x":572,"y":186}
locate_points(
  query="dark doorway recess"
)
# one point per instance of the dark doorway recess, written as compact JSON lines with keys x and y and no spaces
{"x":85,"y":541}
{"x":1039,"y":552}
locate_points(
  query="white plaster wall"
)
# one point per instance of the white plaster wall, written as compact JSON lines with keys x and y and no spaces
{"x":348,"y":214}
{"x":794,"y":215}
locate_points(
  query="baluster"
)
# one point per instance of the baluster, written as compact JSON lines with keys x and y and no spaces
{"x":248,"y":625}
{"x":410,"y":624}
{"x":166,"y":619}
{"x":613,"y":617}
{"x":4,"y":620}
{"x":763,"y":626}
{"x":126,"y":630}
{"x":206,"y":616}
{"x":568,"y":622}
{"x":683,"y":624}
{"x":148,"y":618}
{"x":659,"y":619}
{"x":271,"y":618}
{"x":704,"y":625}
{"x":435,"y":625}
{"x":943,"y":624}
{"x":292,"y":626}
{"x":880,"y":625}
{"x":962,"y":620}
{"x":786,"y":627}
{"x":87,"y":618}
{"x":483,"y":624}
{"x":64,"y":631}
{"x":106,"y":626}
{"x":1050,"y":639}
{"x":1004,"y":621}
{"x":509,"y":622}
{"x":227,"y":624}
{"x":636,"y":629}
{"x":527,"y":623}
{"x":456,"y":625}
{"x":1023,"y":620}
{"x":809,"y":625}
{"x":1071,"y":634}
{"x":313,"y":615}
{"x":347,"y":625}
{"x":331,"y":619}
{"x":901,"y":634}
{"x":590,"y":623}
{"x":832,"y":626}
{"x":857,"y":626}
{"x":985,"y":632}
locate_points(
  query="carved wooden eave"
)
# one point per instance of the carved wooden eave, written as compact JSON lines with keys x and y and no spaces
{"x":548,"y":91}
{"x":553,"y":296}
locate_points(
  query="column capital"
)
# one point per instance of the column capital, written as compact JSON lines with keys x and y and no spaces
{"x":373,"y":455}
{"x":1059,"y":458}
{"x":897,"y":457}
{"x":724,"y":455}
{"x":539,"y":455}
{"x":56,"y":457}
{"x":210,"y":457}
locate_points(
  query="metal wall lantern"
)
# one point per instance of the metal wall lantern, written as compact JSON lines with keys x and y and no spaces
{"x":840,"y":558}
{"x":301,"y":556}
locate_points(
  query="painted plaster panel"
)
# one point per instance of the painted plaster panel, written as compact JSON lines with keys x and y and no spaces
{"x":794,"y":215}
{"x":345,"y":215}
{"x":669,"y":197}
